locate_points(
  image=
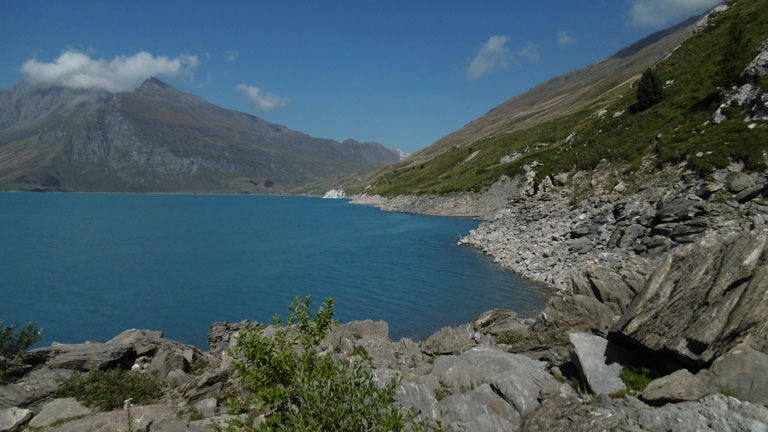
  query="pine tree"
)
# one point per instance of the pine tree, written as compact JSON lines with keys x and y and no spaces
{"x":649,"y":91}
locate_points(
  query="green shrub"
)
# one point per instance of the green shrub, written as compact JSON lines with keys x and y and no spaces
{"x":109,"y":389}
{"x":13,"y":344}
{"x":509,"y":338}
{"x":636,"y":379}
{"x":300,"y":390}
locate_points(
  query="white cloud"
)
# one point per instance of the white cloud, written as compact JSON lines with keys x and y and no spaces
{"x":657,"y":13}
{"x":77,"y":70}
{"x":261,"y":100}
{"x":565,"y":38}
{"x":530,"y":52}
{"x":494,"y":54}
{"x":231,"y":55}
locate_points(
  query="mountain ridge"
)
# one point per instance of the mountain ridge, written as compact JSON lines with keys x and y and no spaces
{"x":157,"y":138}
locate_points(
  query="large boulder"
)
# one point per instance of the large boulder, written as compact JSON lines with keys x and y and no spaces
{"x":743,"y":372}
{"x":590,"y":354}
{"x":678,"y":386}
{"x":703,"y":299}
{"x":450,"y":340}
{"x":519,"y":380}
{"x":480,"y":410}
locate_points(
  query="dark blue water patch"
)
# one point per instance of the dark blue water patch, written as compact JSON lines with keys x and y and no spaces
{"x":88,"y":266}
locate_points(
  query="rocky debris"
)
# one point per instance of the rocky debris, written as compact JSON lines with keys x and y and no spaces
{"x":743,"y":373}
{"x":598,"y":371}
{"x":703,"y":299}
{"x":678,"y":386}
{"x":714,"y":413}
{"x":13,"y":419}
{"x":57,"y":410}
{"x":750,"y":97}
{"x":335,"y":194}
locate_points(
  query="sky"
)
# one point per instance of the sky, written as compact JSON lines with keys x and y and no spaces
{"x":402,"y":73}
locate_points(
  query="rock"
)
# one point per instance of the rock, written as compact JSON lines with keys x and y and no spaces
{"x":598,"y":373}
{"x":480,"y":410}
{"x":220,"y":333}
{"x":678,"y":209}
{"x":581,"y":245}
{"x":631,"y":233}
{"x":177,"y":378}
{"x":13,"y":419}
{"x":59,"y":409}
{"x":207,"y":407}
{"x":498,"y":321}
{"x":520,"y":381}
{"x":678,"y":386}
{"x":703,"y":299}
{"x":758,"y":67}
{"x":142,"y":418}
{"x":84,"y":357}
{"x":166,"y":362}
{"x":174,"y":425}
{"x":362,"y":329}
{"x":33,"y":387}
{"x":738,"y":181}
{"x":335,"y":194}
{"x":749,"y":193}
{"x":743,"y":372}
{"x":419,"y":396}
{"x":208,"y":385}
{"x":450,"y":340}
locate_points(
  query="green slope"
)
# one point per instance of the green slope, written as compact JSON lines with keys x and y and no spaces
{"x":673,"y":131}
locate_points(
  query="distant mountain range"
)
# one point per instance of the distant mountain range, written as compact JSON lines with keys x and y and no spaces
{"x":159,"y":139}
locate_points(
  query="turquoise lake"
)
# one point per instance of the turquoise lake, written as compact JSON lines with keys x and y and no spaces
{"x":88,"y":266}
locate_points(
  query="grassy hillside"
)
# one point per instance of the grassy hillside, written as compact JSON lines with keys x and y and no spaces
{"x":678,"y":129}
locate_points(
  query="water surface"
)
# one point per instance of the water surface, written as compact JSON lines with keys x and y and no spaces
{"x":88,"y":266}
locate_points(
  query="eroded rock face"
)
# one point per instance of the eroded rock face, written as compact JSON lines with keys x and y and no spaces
{"x":703,"y":299}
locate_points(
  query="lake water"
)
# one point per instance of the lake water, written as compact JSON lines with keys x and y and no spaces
{"x":88,"y":266}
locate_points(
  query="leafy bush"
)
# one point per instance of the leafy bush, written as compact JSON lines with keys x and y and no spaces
{"x":108,"y":390}
{"x":300,"y":390}
{"x":509,"y":338}
{"x":13,"y":344}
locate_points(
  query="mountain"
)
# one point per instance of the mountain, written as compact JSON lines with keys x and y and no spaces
{"x":558,"y":96}
{"x":159,"y":139}
{"x":590,"y":116}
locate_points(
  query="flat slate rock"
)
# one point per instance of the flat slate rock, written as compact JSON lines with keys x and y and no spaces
{"x":589,"y":353}
{"x":59,"y":409}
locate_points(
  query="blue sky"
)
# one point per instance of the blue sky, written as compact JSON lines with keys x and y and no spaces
{"x":403,"y":73}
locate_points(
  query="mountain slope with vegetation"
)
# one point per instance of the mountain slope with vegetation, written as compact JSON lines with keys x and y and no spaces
{"x":698,"y":76}
{"x":159,"y":139}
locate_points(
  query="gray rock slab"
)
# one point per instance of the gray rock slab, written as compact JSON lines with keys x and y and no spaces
{"x":520,"y":380}
{"x":703,"y":299}
{"x":142,"y":418}
{"x":207,"y":407}
{"x":480,"y":410}
{"x":419,"y":396}
{"x":84,"y":357}
{"x":450,"y":340}
{"x":59,"y":409}
{"x":678,"y":386}
{"x":589,"y":353}
{"x":178,"y":378}
{"x":13,"y":419}
{"x":34,"y":387}
{"x":742,"y":372}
